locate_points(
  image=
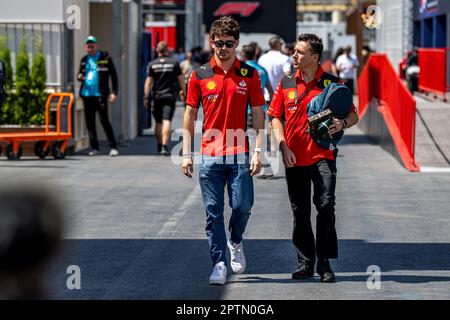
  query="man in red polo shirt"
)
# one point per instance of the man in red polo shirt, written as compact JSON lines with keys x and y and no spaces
{"x":224,"y":87}
{"x":306,"y":161}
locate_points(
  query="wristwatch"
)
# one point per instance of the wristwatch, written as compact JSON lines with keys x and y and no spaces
{"x":345,"y":123}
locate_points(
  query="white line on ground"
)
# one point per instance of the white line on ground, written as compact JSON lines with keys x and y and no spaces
{"x":435,"y":169}
{"x":170,"y":227}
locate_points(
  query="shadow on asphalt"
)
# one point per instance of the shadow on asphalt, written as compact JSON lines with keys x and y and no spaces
{"x":37,"y":167}
{"x":4,"y":162}
{"x":179,"y":269}
{"x":356,"y":139}
{"x":142,"y":146}
{"x":147,"y":145}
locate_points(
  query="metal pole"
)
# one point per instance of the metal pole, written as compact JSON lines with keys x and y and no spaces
{"x":408,"y":26}
{"x":139,"y":65}
{"x":193,"y":23}
{"x":199,"y":20}
{"x":117,"y":53}
{"x":189,"y":24}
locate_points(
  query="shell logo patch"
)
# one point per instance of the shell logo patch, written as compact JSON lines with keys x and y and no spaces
{"x":326,"y":82}
{"x":211,"y":85}
{"x":244,"y":72}
{"x":292,"y":95}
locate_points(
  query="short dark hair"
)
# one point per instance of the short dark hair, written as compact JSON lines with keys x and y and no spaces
{"x":225,"y":26}
{"x":274,"y":41}
{"x":314,"y":41}
{"x":249,"y":51}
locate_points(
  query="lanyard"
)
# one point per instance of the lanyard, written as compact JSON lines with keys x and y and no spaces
{"x":305,"y":93}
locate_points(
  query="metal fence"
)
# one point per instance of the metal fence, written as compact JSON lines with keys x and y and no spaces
{"x":57,"y":45}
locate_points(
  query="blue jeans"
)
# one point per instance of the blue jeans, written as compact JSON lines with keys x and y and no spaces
{"x":215,"y":173}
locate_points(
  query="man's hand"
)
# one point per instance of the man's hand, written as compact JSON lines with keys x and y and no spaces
{"x":289,"y":158}
{"x":146,"y":102}
{"x":337,"y":126}
{"x":255,"y":163}
{"x":112,"y":98}
{"x":187,"y":167}
{"x":181,"y":95}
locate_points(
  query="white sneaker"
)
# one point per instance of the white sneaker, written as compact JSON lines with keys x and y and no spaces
{"x":219,"y":274}
{"x":266,"y":172}
{"x":113,"y":153}
{"x":94,"y":152}
{"x":237,"y":260}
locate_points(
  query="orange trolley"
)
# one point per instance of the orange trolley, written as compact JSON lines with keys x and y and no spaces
{"x":54,"y":139}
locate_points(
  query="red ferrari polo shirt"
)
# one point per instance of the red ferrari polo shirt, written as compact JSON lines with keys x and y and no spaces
{"x":225,"y":97}
{"x":291,"y":99}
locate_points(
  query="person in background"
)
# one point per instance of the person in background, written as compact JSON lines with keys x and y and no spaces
{"x":346,"y":65}
{"x":338,"y":53}
{"x":248,"y":54}
{"x":274,"y":61}
{"x":258,"y":50}
{"x":288,"y":68}
{"x":96,"y":68}
{"x":187,"y":66}
{"x":163,"y":76}
{"x":179,"y":55}
{"x":412,"y":70}
{"x":197,"y":55}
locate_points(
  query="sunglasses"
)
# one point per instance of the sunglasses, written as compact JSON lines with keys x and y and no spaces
{"x":219,"y":43}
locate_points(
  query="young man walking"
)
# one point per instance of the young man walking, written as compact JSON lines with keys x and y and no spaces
{"x":224,"y":86}
{"x":306,"y":162}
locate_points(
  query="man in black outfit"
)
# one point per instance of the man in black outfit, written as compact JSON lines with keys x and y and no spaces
{"x":95,"y":69}
{"x":164,"y":74}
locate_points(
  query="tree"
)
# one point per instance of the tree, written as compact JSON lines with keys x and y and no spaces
{"x":36,"y":114}
{"x":23,"y":84}
{"x":7,"y":111}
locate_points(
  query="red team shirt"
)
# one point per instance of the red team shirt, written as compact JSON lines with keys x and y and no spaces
{"x":225,"y":98}
{"x":284,"y":101}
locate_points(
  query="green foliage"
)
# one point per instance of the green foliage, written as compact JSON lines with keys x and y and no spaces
{"x":23,"y":84}
{"x":26,"y":104}
{"x":8,"y":108}
{"x":39,"y":77}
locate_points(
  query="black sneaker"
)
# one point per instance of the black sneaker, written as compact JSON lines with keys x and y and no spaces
{"x":325,"y":272}
{"x":159,"y":147}
{"x":304,"y":271}
{"x":165,"y":150}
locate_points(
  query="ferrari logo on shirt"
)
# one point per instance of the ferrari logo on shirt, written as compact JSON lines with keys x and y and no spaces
{"x":292,"y":95}
{"x":326,"y":83}
{"x":211,"y":85}
{"x":244,"y":72}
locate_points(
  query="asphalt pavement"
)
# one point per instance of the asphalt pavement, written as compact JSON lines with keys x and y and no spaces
{"x":135,"y":228}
